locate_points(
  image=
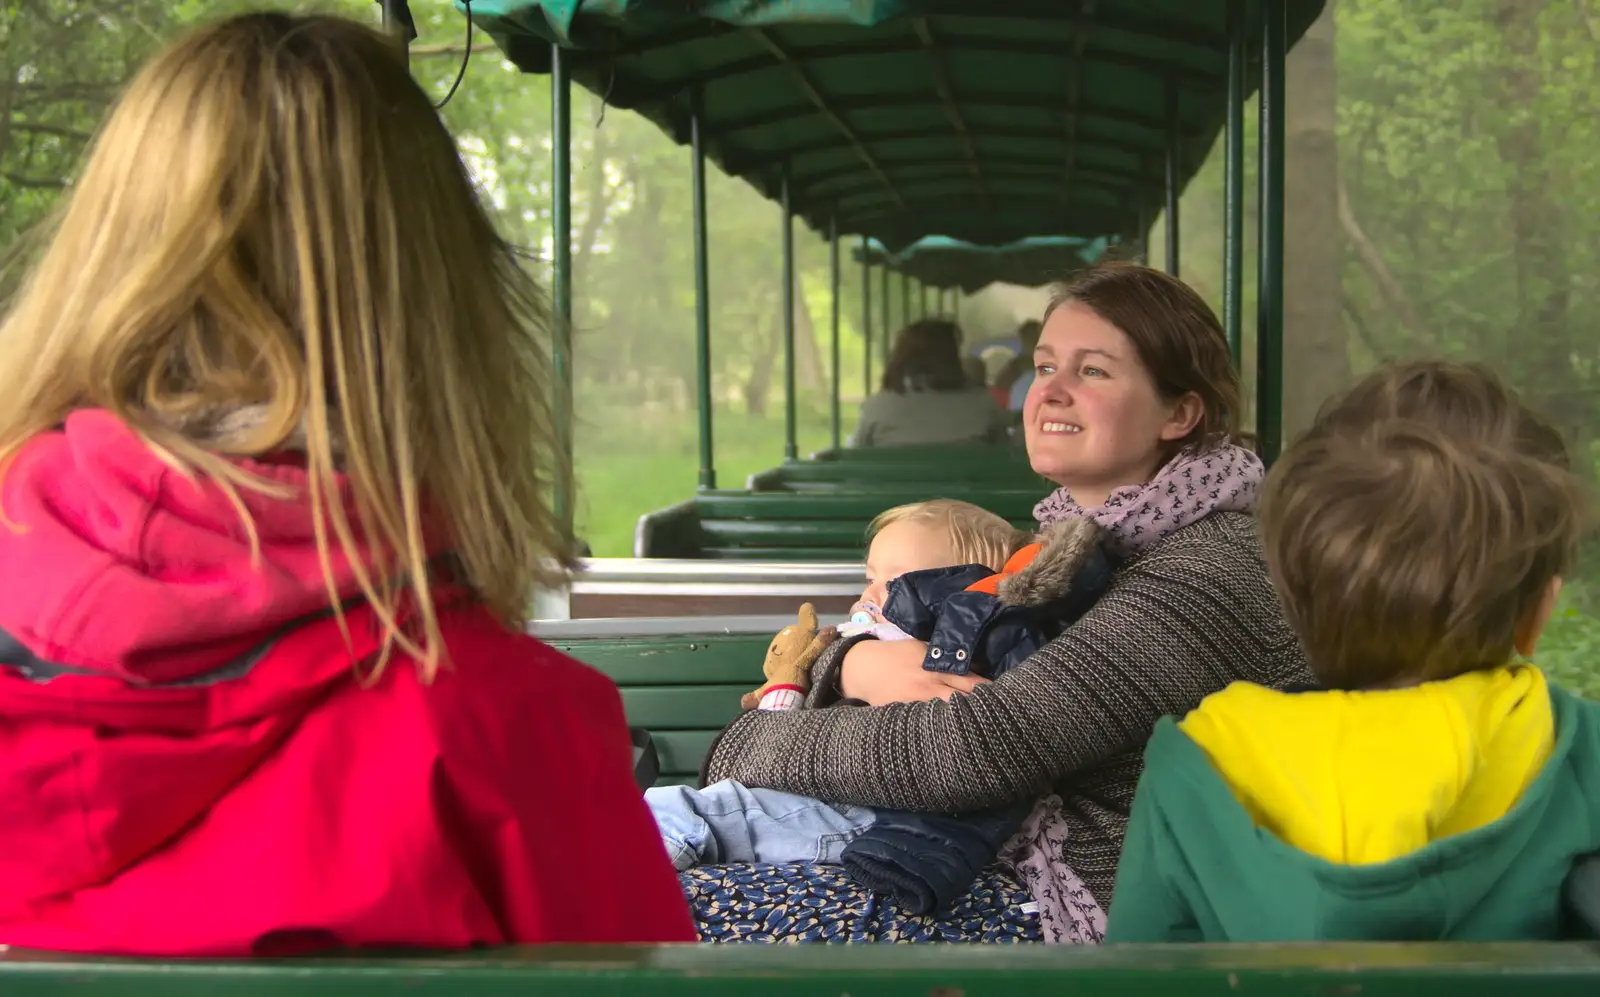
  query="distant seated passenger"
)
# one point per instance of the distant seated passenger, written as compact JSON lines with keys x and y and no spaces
{"x":926,"y":394}
{"x":977,"y":374}
{"x":276,"y":446}
{"x":1017,"y":376}
{"x":1441,"y":788}
{"x":995,"y":361}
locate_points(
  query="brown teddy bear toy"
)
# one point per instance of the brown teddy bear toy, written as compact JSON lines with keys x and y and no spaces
{"x":788,"y":664}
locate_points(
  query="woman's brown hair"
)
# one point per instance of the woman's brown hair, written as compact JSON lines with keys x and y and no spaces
{"x":1176,"y":334}
{"x":926,"y":357}
{"x":275,"y":220}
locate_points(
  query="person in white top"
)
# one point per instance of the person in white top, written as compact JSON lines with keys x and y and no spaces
{"x":925,"y":395}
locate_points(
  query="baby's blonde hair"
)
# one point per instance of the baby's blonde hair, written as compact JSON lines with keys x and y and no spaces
{"x":274,"y":220}
{"x":977,"y":536}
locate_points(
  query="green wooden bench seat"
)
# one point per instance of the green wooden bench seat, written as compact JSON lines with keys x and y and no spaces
{"x":823,"y":526}
{"x":1349,"y":970}
{"x":965,"y":453}
{"x":813,"y":476}
{"x":683,"y":688}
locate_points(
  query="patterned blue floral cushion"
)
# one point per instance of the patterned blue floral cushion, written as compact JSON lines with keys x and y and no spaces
{"x":805,"y":902}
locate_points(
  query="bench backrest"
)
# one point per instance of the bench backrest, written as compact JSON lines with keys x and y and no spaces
{"x":1368,"y":970}
{"x":814,"y":476}
{"x":963,"y":452}
{"x":821,"y":526}
{"x":683,"y":688}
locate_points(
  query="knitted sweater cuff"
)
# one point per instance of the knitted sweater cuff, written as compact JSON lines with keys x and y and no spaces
{"x":826,"y":671}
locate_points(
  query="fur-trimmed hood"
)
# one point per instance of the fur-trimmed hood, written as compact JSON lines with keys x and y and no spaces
{"x":1064,"y":549}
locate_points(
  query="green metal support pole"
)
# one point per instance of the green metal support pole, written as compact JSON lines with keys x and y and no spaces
{"x":866,"y":314}
{"x":905,"y":300}
{"x":561,"y":269}
{"x":791,"y":450}
{"x":1269,"y":306}
{"x":1174,"y":167}
{"x":833,"y":281}
{"x":702,"y":302}
{"x":922,"y":296}
{"x":397,"y":23}
{"x":883,"y":311}
{"x":1145,"y":224}
{"x":1233,"y":190}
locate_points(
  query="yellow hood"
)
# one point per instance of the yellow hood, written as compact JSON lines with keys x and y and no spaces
{"x":1363,"y":777}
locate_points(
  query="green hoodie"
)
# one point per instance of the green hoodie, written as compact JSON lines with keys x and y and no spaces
{"x":1198,"y":864}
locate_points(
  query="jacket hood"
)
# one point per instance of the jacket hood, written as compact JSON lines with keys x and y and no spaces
{"x":1364,"y":777}
{"x":119,"y":564}
{"x":133,"y":626}
{"x":1408,"y":814}
{"x":1071,"y":556}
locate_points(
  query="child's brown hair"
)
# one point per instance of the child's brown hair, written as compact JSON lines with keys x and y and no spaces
{"x":1418,"y":525}
{"x":977,"y":536}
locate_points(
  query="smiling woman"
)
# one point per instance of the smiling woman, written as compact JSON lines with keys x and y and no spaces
{"x":1133,"y":413}
{"x":1131,"y":368}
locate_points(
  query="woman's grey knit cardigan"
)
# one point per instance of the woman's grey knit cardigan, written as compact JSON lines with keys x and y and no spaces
{"x":1184,"y":619}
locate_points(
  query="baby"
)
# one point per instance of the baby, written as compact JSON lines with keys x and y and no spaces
{"x":924,"y":560}
{"x":922,"y":536}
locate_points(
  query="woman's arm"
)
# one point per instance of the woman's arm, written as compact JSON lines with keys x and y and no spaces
{"x":1194,"y":614}
{"x":890,"y":671}
{"x":876,"y":672}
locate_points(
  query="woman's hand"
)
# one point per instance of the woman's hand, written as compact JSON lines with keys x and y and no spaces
{"x":890,"y":671}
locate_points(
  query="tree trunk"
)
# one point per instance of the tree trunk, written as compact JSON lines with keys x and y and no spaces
{"x":807,"y":356}
{"x":597,"y":204}
{"x":758,"y":389}
{"x":1316,"y":358}
{"x":1543,"y":345}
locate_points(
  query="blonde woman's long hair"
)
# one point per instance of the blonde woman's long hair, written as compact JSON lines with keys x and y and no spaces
{"x":273,"y":219}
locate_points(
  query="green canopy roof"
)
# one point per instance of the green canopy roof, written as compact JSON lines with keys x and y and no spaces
{"x":939,"y":261}
{"x":983,"y":120}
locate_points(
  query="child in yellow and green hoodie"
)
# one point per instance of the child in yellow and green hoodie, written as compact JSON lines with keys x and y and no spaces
{"x":1438,"y":787}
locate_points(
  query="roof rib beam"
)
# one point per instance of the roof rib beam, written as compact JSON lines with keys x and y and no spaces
{"x":1051,"y":104}
{"x":1037,"y":185}
{"x":952,"y":110}
{"x":1197,"y":43}
{"x":805,"y":185}
{"x":815,"y":96}
{"x":1191,"y":77}
{"x":1075,"y":74}
{"x":739,"y":167}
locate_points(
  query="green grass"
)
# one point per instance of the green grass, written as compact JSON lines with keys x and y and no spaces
{"x":1569,"y":651}
{"x":628,"y":464}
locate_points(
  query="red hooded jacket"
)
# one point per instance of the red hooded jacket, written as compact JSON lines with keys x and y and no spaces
{"x":189,"y":765}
